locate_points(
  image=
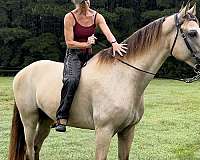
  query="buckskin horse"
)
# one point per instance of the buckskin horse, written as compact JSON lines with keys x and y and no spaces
{"x":109,"y":98}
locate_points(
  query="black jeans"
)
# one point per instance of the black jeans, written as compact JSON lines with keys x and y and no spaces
{"x":73,"y":62}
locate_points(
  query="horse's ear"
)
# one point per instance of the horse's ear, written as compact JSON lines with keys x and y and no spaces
{"x":193,"y":10}
{"x":182,"y":6}
{"x":183,"y":12}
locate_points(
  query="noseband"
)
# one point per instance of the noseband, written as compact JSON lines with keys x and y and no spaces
{"x":183,"y":34}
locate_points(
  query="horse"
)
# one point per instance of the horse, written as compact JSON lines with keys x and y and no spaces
{"x":109,"y":98}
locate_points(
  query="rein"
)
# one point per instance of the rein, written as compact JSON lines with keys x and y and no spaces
{"x":178,"y":27}
{"x":135,"y":67}
{"x":183,"y":34}
{"x":141,"y":70}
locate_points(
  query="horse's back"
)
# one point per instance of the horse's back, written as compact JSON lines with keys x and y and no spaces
{"x":40,"y":84}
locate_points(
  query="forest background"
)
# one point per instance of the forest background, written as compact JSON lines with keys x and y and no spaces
{"x":32,"y":30}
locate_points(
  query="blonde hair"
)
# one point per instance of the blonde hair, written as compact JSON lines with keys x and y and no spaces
{"x":77,"y":1}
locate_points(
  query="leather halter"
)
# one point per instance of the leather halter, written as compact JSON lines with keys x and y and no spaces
{"x":184,"y":35}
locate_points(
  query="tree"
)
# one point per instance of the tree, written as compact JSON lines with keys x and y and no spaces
{"x":11,"y":40}
{"x":46,"y":46}
{"x":33,"y":29}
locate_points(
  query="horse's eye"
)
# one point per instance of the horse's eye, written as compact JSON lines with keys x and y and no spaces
{"x":193,"y":33}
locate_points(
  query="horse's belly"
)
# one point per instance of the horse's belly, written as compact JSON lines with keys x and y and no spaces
{"x":81,"y":113}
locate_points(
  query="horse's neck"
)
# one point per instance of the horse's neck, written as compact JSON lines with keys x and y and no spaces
{"x":150,"y":61}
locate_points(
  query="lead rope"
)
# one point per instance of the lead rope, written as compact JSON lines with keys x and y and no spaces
{"x":193,"y":79}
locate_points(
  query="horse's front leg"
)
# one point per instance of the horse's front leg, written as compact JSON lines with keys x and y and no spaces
{"x":103,"y":138}
{"x":125,"y":139}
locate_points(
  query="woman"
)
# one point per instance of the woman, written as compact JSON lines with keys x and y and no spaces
{"x":79,"y":29}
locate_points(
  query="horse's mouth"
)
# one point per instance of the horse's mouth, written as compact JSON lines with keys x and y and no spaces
{"x":196,"y":54}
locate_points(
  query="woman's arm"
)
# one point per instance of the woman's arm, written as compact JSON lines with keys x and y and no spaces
{"x":69,"y":34}
{"x":110,"y":37}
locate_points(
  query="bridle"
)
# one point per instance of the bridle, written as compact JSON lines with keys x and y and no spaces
{"x":183,"y":34}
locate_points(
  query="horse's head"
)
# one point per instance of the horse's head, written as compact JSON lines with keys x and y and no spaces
{"x":184,"y":32}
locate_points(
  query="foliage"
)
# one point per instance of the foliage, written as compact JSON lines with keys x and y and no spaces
{"x":25,"y":21}
{"x":45,"y":9}
{"x":43,"y":47}
{"x":10,"y":41}
{"x":9,"y":35}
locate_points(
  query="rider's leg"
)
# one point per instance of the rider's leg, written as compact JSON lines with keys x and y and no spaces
{"x":71,"y":76}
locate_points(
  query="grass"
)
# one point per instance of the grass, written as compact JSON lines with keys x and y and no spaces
{"x":169,"y":130}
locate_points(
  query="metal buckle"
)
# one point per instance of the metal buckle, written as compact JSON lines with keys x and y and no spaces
{"x":183,"y":35}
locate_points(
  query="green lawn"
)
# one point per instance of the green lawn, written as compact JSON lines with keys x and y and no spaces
{"x":170,"y":128}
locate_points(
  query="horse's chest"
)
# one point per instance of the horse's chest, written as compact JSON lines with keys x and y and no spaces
{"x":134,"y":115}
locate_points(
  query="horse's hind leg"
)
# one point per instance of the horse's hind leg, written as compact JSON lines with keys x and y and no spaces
{"x":103,"y":138}
{"x":29,"y":120}
{"x":125,"y":139}
{"x":43,"y":130}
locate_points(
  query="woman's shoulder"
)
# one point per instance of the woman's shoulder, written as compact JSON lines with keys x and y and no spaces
{"x":69,"y":14}
{"x":69,"y":17}
{"x":98,"y":14}
{"x":93,"y":12}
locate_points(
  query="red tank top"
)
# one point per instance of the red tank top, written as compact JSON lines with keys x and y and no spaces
{"x":81,"y":33}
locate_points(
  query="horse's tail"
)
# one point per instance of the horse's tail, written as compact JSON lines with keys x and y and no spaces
{"x":17,"y":140}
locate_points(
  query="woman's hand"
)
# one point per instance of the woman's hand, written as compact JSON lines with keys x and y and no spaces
{"x":119,"y":48}
{"x":91,"y":40}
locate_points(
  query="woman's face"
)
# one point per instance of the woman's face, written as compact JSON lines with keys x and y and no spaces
{"x":86,"y":2}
